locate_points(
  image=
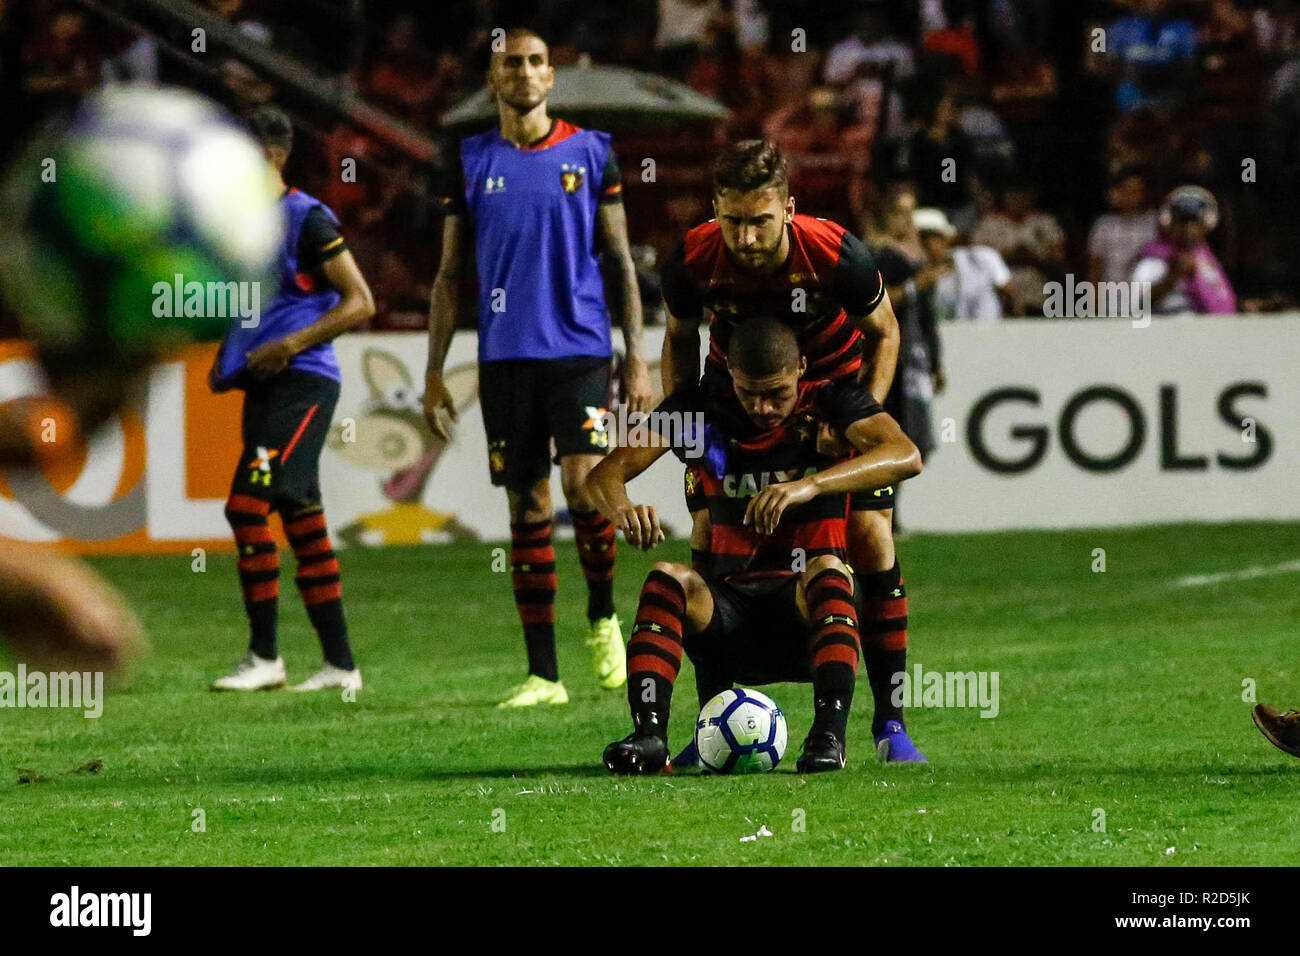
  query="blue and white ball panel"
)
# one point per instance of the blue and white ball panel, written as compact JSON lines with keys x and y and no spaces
{"x":740,"y":731}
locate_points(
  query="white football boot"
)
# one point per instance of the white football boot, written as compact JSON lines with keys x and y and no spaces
{"x":253,"y":673}
{"x":329,"y":677}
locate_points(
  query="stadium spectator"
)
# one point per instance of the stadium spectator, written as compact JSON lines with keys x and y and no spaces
{"x":405,"y":75}
{"x":1184,"y":273}
{"x":955,"y":37}
{"x":1118,"y":236}
{"x":968,"y":283}
{"x":1030,"y":241}
{"x":825,"y":150}
{"x":59,"y":65}
{"x":1150,"y":53}
{"x":896,"y":246}
{"x":136,"y":63}
{"x":873,"y":41}
{"x":680,"y":32}
{"x":938,"y":155}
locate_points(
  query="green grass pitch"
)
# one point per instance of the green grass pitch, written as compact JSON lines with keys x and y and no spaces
{"x":1119,"y":692}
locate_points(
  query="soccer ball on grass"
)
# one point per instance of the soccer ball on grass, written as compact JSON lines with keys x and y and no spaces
{"x":740,"y":731}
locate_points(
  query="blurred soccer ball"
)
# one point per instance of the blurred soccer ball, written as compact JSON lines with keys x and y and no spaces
{"x":740,"y":731}
{"x":142,"y":185}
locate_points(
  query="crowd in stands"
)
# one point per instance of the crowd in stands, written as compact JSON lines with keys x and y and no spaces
{"x":999,"y":145}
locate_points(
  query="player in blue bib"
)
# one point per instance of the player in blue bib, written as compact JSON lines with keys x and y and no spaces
{"x":540,"y":202}
{"x":284,"y":363}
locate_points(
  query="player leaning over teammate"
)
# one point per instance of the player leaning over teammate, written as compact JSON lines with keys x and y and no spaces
{"x":286,"y":367}
{"x":538,"y":199}
{"x":742,"y":613}
{"x":758,"y":257}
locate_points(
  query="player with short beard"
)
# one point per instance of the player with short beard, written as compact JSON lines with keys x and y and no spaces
{"x":758,"y":257}
{"x":538,"y":198}
{"x":742,"y":613}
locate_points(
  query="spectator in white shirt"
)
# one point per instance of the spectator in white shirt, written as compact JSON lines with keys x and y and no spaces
{"x":1031,"y":242}
{"x":970,"y":283}
{"x":1117,"y":237}
{"x":872,"y":42}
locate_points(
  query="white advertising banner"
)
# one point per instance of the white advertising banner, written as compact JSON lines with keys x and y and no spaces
{"x":1078,"y":423}
{"x":1044,"y":424}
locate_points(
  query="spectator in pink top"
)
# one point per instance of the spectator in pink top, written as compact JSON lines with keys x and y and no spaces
{"x":1184,"y":273}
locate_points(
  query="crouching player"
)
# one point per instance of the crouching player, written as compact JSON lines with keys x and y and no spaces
{"x":777,"y":503}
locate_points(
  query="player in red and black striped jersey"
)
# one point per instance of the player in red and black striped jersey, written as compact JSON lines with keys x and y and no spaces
{"x":759,"y":258}
{"x":770,"y":596}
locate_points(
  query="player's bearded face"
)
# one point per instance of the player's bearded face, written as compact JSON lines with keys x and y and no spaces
{"x":768,"y":400}
{"x":753,"y":226}
{"x":521,"y":75}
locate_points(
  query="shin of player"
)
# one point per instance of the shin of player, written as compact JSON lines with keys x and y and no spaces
{"x":286,"y":367}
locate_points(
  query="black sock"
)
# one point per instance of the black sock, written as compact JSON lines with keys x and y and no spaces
{"x":539,"y":639}
{"x":259,"y":570}
{"x":884,"y":640}
{"x":318,"y":582}
{"x":532,"y":576}
{"x":597,"y":549}
{"x":834,"y":648}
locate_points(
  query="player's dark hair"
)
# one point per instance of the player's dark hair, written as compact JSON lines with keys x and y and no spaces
{"x":272,"y":127}
{"x":749,"y":165}
{"x":762,"y":346}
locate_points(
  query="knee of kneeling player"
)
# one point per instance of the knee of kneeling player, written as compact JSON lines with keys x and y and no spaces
{"x":241,"y":509}
{"x":823,"y":562}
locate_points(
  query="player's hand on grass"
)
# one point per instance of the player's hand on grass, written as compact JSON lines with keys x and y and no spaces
{"x":640,"y":526}
{"x":271,"y":358}
{"x":439,"y":406}
{"x":58,"y":614}
{"x":636,"y":379}
{"x":766,"y":508}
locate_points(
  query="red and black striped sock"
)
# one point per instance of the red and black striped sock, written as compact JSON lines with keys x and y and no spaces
{"x":884,"y":639}
{"x":597,"y":548}
{"x":259,"y":569}
{"x":834,"y":648}
{"x":532,"y":575}
{"x":654,"y":651}
{"x":319,"y":584}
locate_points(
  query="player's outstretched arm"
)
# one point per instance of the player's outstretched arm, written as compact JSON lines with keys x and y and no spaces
{"x":880,"y":360}
{"x":887,"y":456}
{"x":444,"y":306}
{"x":606,"y":485}
{"x":619,"y":273}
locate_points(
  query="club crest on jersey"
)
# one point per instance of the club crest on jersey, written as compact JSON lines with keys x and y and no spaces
{"x":595,"y":424}
{"x":692,"y":481}
{"x":571,"y":177}
{"x":261,"y":466}
{"x":495,"y":184}
{"x":497,"y":457}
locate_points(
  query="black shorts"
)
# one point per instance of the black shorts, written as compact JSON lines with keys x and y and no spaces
{"x":285,"y":422}
{"x":528,"y":403}
{"x":717,"y":386}
{"x":757,"y":635}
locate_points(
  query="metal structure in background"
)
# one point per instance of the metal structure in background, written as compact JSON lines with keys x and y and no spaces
{"x":604,"y":96}
{"x":333,"y":93}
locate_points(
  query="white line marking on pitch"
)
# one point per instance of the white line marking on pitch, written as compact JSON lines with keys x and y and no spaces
{"x":1199,"y":580}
